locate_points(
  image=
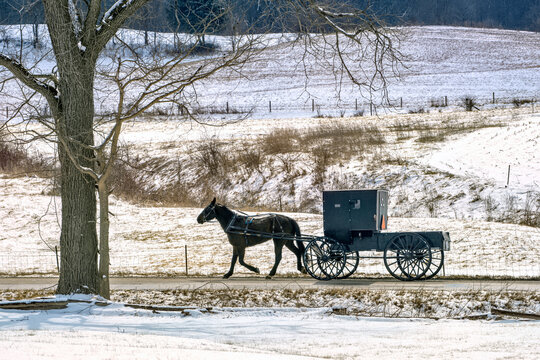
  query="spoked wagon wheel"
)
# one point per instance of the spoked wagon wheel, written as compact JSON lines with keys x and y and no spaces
{"x":324,"y":259}
{"x":407,"y":257}
{"x":437,"y":262}
{"x":351,"y":264}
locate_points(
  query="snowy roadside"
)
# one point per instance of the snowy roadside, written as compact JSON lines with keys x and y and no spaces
{"x":261,"y":333}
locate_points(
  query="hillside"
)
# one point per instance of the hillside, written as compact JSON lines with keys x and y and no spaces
{"x":439,"y":163}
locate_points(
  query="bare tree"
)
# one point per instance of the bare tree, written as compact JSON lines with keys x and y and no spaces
{"x":352,"y":42}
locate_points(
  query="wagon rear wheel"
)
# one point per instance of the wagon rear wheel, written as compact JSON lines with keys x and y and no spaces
{"x":437,"y":262}
{"x":351,"y":264}
{"x":407,"y":257}
{"x":324,"y":259}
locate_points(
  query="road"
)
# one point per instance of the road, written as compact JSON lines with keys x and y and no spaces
{"x":151,"y":283}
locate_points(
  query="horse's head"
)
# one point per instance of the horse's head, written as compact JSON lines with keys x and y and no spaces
{"x":208,"y":213}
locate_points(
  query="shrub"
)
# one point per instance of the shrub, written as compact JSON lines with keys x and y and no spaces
{"x":518,"y":102}
{"x":211,"y":157}
{"x":469,"y":104}
{"x":531,"y":211}
{"x":125,"y":181}
{"x":280,"y":141}
{"x":16,"y":161}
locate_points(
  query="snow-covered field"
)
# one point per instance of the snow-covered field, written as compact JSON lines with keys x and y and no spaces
{"x":87,"y":331}
{"x":156,"y":245}
{"x":438,"y":61}
{"x":466,"y":173}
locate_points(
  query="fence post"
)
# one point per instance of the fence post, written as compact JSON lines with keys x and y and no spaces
{"x":445,"y":101}
{"x":227,"y":107}
{"x":270,"y":105}
{"x":312,"y":105}
{"x":57,"y":262}
{"x":356,"y":104}
{"x":493,"y":98}
{"x":185,"y":253}
{"x":371,"y":108}
{"x":401,"y":102}
{"x":508,"y":177}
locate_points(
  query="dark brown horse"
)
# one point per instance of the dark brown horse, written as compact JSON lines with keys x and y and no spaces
{"x":245,"y":231}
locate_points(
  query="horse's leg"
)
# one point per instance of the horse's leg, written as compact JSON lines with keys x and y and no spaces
{"x":278,"y":250}
{"x":233,"y":262}
{"x":241,"y":253}
{"x":298,"y":252}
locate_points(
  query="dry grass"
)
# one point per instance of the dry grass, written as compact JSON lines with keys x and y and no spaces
{"x":237,"y":171}
{"x":519,"y":102}
{"x":280,"y":141}
{"x":373,"y":303}
{"x":16,"y":161}
{"x":211,"y":165}
{"x":12,"y":295}
{"x":426,"y":132}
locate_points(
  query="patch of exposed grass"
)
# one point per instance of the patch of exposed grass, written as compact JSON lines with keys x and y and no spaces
{"x":12,"y":295}
{"x":519,"y":102}
{"x":16,"y":161}
{"x":280,"y":141}
{"x":340,"y":301}
{"x":443,"y":131}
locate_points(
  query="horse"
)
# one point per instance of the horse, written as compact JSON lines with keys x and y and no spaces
{"x":245,"y":231}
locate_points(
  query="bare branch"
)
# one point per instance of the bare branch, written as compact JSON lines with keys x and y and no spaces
{"x":113,"y":19}
{"x":90,"y":22}
{"x":30,"y":80}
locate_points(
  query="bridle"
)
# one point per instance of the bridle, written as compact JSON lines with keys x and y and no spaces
{"x":208,"y":212}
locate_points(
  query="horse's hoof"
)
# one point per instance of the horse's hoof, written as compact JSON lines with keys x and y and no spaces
{"x":226,"y":276}
{"x":268,"y":277}
{"x":257,"y":271}
{"x":303,"y":271}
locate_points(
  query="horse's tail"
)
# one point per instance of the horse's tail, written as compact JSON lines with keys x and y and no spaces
{"x":297,"y":232}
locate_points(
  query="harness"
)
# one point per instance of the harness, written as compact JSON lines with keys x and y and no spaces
{"x":245,"y":229}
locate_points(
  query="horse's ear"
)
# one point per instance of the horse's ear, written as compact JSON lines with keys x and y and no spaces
{"x":213,"y":201}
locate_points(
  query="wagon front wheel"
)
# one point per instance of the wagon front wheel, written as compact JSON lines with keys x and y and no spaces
{"x":407,"y":256}
{"x":351,"y":264}
{"x":324,"y":259}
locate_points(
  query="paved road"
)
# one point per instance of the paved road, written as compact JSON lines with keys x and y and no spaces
{"x":149,"y":283}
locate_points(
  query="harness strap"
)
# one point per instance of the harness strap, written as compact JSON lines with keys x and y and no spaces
{"x":247,"y":221}
{"x":279,"y":223}
{"x":231,"y":223}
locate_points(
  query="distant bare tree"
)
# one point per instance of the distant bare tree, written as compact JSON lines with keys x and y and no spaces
{"x":353,"y":43}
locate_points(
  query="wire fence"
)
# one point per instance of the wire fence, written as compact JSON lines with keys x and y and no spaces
{"x":327,"y":107}
{"x":351,"y":107}
{"x":176,"y":263}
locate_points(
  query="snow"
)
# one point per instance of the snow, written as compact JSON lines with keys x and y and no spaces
{"x":262,"y":333}
{"x":114,"y":8}
{"x":75,"y":20}
{"x":516,"y":145}
{"x":440,"y":61}
{"x":29,"y":218}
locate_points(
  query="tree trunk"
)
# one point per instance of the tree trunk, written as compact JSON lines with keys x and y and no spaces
{"x":74,"y":116}
{"x":78,"y":238}
{"x":104,"y":286}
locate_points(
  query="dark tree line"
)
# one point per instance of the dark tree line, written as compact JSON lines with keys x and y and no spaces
{"x":188,"y":15}
{"x":506,"y":14}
